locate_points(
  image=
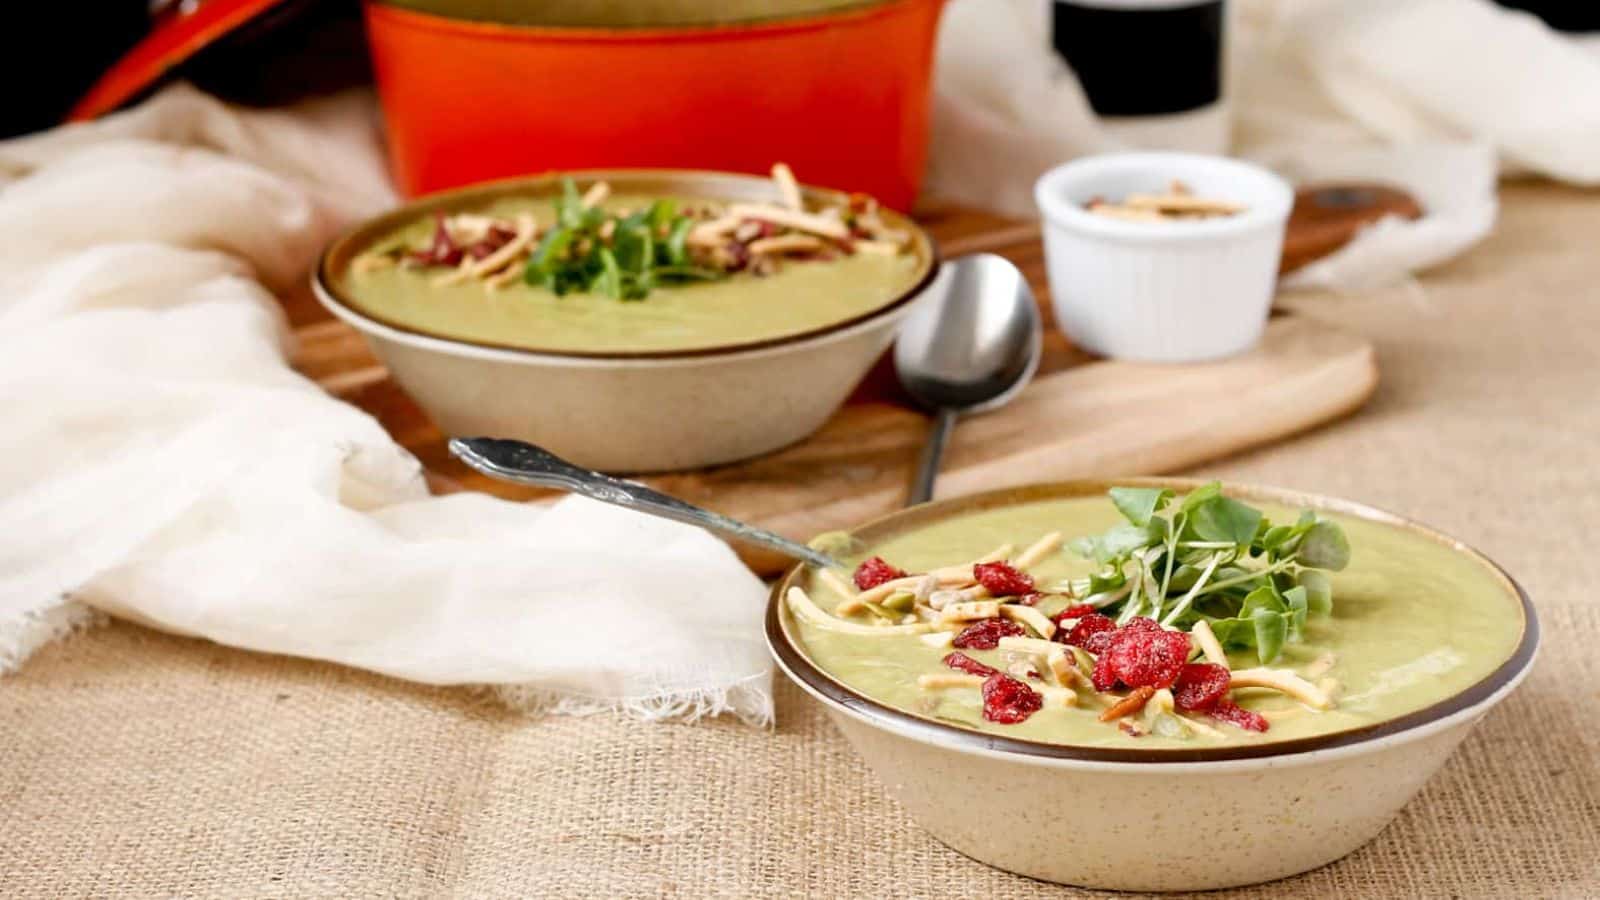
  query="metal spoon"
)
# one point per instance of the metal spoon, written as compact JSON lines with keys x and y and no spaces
{"x":969,"y":346}
{"x":526,"y":464}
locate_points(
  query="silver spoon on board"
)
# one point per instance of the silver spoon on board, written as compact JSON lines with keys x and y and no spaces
{"x":524,"y":463}
{"x":969,"y":347}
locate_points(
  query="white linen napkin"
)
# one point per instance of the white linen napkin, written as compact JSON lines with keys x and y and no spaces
{"x":161,"y":461}
{"x":1427,"y":95}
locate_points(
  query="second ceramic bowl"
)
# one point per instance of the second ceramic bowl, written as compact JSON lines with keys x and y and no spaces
{"x":629,"y":412}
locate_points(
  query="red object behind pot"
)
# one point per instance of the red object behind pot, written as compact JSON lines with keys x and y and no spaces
{"x":842,"y":97}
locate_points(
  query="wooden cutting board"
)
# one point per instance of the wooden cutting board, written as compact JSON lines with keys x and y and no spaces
{"x":1080,"y":417}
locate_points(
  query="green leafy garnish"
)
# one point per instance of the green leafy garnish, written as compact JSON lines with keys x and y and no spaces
{"x":594,"y":251}
{"x":1213,"y":558}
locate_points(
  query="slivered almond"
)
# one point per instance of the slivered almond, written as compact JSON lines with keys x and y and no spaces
{"x":596,"y":194}
{"x":504,"y":277}
{"x":800,"y":221}
{"x":801,"y":605}
{"x":963,"y":612}
{"x":788,"y":188}
{"x":878,"y":248}
{"x":962,"y":574}
{"x":937,"y":680}
{"x":1129,"y":704}
{"x":1210,"y":647}
{"x":1066,"y":673}
{"x":1182,"y":203}
{"x":1029,"y":645}
{"x":1030,"y":617}
{"x":527,"y":228}
{"x":1285,"y":681}
{"x":786,"y":243}
{"x":713,"y":233}
{"x":938,"y":639}
{"x":1036,"y":553}
{"x":456,"y":275}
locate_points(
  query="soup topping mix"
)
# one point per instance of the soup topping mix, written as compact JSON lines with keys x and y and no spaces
{"x":626,"y":253}
{"x":1144,"y":637}
{"x":1178,"y":203}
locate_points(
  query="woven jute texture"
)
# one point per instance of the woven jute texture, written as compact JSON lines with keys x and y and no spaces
{"x":134,"y":763}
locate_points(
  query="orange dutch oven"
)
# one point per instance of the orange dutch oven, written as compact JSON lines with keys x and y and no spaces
{"x":842,"y":96}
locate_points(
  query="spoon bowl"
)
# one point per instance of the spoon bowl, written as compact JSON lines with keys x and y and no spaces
{"x":970,"y":345}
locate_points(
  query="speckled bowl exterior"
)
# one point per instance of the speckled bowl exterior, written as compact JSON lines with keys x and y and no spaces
{"x":630,"y":412}
{"x":1143,"y":820}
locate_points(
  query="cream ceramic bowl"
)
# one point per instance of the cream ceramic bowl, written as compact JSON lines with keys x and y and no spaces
{"x":630,"y":412}
{"x":1178,"y":291}
{"x":1150,"y":820}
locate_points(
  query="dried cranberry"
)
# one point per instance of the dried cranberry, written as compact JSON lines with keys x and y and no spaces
{"x":1104,"y":678}
{"x":1030,"y":599}
{"x":1201,"y":686}
{"x":1099,"y":642}
{"x":986,"y":635}
{"x":1009,"y":701}
{"x":1075,"y":612}
{"x":967,"y":664}
{"x":1143,"y":658}
{"x":443,"y":251}
{"x":874,"y":572}
{"x":1002,"y":580}
{"x":1142,"y":623}
{"x":1088,"y":627}
{"x":1228,"y":711}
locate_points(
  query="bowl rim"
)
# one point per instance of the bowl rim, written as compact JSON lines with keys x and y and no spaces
{"x":837,"y":695}
{"x":351,"y":241}
{"x":757,"y":26}
{"x":1055,"y":209}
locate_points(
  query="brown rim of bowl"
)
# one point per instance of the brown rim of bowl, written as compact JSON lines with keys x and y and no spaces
{"x":800,"y":667}
{"x":778,"y":22}
{"x":651,"y":182}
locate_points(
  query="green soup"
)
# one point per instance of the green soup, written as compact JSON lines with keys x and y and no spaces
{"x":800,"y":297}
{"x":1414,"y":622}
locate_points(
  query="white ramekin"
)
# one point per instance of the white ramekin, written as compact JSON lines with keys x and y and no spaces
{"x":1150,"y":820}
{"x":1175,"y":291}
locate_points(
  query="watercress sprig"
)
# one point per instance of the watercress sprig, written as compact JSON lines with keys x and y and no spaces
{"x":1215,"y":559}
{"x":624,"y":257}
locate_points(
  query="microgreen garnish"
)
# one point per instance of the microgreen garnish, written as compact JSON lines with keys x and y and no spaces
{"x":623,"y":257}
{"x":1217,"y":559}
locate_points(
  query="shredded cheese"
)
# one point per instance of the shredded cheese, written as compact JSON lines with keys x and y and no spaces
{"x":786,"y":243}
{"x":1030,"y":617}
{"x":1285,"y":681}
{"x":938,"y":680}
{"x":800,"y":221}
{"x":1036,"y":553}
{"x":801,"y":605}
{"x":788,"y":188}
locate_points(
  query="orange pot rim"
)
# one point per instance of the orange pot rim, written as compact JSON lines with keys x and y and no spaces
{"x":861,"y":11}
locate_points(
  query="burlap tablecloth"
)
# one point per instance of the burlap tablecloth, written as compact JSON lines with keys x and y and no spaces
{"x":136,"y":763}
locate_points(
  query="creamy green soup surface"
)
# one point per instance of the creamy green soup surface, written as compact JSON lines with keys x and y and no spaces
{"x":801,"y":296}
{"x":1413,"y":623}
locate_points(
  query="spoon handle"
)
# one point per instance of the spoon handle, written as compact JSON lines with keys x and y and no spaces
{"x":928,"y":467}
{"x":526,"y":464}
